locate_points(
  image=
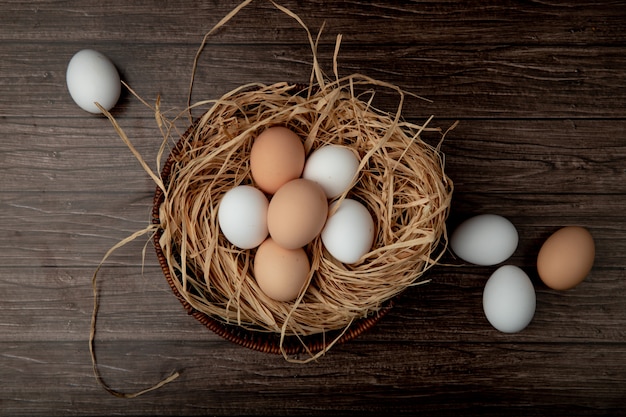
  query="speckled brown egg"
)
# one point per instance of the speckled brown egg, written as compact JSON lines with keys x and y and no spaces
{"x":566,"y":258}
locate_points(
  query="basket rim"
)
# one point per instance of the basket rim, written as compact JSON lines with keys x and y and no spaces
{"x":267,"y":342}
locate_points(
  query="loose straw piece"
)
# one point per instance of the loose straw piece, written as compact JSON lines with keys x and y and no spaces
{"x":94,"y":316}
{"x":219,"y":24}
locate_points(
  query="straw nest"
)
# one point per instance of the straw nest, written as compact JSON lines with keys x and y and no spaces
{"x":401,"y":181}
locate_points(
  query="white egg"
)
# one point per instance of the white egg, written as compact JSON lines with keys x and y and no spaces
{"x":242,"y":216}
{"x":486,"y":239}
{"x":349,"y":231}
{"x":333,"y":167}
{"x":91,"y":77}
{"x":509,"y":299}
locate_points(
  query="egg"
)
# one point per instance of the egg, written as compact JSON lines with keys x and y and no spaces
{"x":566,"y":257}
{"x":349,"y":231}
{"x":91,"y":77}
{"x":485,"y":239}
{"x":277,"y":156}
{"x":242,"y":216}
{"x":297,"y":213}
{"x":509,"y":299}
{"x":280,"y":273}
{"x":334,"y":167}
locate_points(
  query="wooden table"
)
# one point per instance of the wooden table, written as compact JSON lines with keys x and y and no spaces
{"x":539,"y":89}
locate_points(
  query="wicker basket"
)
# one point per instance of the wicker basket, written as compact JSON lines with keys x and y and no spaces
{"x":260,"y":340}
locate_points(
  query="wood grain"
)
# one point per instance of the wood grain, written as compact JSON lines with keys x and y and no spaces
{"x":465,"y":81}
{"x":442,"y":379}
{"x":548,"y":156}
{"x":382,"y":22}
{"x":539,"y":90}
{"x":137,"y":303}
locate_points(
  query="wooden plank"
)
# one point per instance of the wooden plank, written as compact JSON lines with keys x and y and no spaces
{"x":72,"y":229}
{"x":84,"y":155}
{"x":490,"y":22}
{"x":539,"y":157}
{"x":505,"y":81}
{"x":482,"y":156}
{"x":55,"y":304}
{"x":65,"y":229}
{"x":368,"y":378}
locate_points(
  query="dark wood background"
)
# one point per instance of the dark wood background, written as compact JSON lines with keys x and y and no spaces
{"x":539,"y":88}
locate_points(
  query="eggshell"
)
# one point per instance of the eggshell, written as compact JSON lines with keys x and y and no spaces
{"x":486,"y":239}
{"x":242,"y":216}
{"x":566,"y":258}
{"x":509,"y":299}
{"x":297,"y":213}
{"x":277,"y":156}
{"x":334,"y":167}
{"x":349,"y":231}
{"x":91,"y":77}
{"x":280,"y":273}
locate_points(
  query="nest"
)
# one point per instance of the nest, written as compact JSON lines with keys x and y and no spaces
{"x":401,"y":181}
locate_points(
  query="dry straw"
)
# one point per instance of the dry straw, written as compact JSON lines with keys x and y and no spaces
{"x":401,"y":180}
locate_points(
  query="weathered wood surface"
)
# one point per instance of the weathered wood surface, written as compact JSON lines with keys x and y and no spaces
{"x":539,"y":89}
{"x":462,"y":81}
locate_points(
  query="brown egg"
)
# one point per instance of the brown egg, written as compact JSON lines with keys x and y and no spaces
{"x":280,"y":273}
{"x":566,"y":258}
{"x":297,"y":213}
{"x":276,"y":157}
